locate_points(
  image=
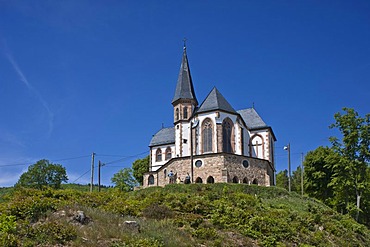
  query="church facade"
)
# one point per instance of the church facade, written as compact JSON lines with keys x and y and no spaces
{"x":210,"y":142}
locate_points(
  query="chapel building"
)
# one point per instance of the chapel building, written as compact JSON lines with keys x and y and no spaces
{"x":210,"y":142}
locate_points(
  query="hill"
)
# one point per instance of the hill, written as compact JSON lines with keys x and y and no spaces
{"x":176,"y":215}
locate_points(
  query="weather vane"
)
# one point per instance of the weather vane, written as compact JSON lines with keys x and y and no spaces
{"x":185,"y":39}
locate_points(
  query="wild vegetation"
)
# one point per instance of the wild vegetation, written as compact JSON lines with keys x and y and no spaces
{"x":339,"y":175}
{"x":176,"y":215}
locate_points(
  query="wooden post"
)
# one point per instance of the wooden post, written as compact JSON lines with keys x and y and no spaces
{"x":92,"y":172}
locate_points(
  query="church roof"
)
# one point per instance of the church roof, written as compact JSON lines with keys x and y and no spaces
{"x":184,"y":87}
{"x":163,"y":136}
{"x":215,"y":101}
{"x":252,"y":119}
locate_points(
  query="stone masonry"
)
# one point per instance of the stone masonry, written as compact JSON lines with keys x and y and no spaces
{"x":222,"y":167}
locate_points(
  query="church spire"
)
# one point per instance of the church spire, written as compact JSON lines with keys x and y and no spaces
{"x":184,"y":87}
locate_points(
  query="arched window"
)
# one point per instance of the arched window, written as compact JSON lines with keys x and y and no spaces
{"x":198,"y":180}
{"x":257,"y":147}
{"x":168,"y":153}
{"x":255,"y":181}
{"x":150,"y":180}
{"x":177,"y":114}
{"x":245,"y":181}
{"x":158,"y":155}
{"x":185,"y":113}
{"x":235,"y":180}
{"x":210,"y":180}
{"x":227,"y":130}
{"x":207,"y":132}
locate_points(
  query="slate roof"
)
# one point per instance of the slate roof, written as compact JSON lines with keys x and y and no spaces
{"x":252,"y":119}
{"x":163,"y":136}
{"x":215,"y":101}
{"x":184,"y":86}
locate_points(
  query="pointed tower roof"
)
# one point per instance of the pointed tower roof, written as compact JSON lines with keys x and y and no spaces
{"x":215,"y":101}
{"x":184,"y":87}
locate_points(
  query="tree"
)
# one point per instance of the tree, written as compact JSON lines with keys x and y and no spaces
{"x":43,"y":174}
{"x":124,"y":180}
{"x":318,"y":172}
{"x":282,"y":179}
{"x":350,"y":174}
{"x":140,"y":166}
{"x":296,"y":180}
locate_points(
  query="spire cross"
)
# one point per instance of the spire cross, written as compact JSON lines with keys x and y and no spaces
{"x":185,"y":39}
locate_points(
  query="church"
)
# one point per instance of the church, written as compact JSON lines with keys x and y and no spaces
{"x":211,"y":142}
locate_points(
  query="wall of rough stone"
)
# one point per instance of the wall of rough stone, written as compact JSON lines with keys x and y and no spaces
{"x":222,"y":167}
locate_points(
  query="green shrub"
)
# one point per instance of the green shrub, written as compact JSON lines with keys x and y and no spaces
{"x":156,"y":211}
{"x":205,"y":233}
{"x":50,"y":233}
{"x":7,"y":223}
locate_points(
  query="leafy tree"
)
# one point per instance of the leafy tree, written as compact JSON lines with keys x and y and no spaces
{"x":350,"y":174}
{"x":43,"y":174}
{"x":282,"y":179}
{"x":124,"y":180}
{"x":318,"y":172}
{"x":140,"y":166}
{"x":296,"y":180}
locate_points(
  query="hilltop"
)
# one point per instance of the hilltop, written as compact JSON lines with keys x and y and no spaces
{"x":176,"y":215}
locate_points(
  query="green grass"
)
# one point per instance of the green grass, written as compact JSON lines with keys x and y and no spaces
{"x":179,"y":215}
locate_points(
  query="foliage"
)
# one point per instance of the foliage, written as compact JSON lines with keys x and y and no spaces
{"x":179,"y":215}
{"x":282,"y":179}
{"x":349,"y":179}
{"x":318,"y":173}
{"x":49,"y":232}
{"x":7,"y":223}
{"x":296,"y":180}
{"x":43,"y":174}
{"x":339,"y":175}
{"x":124,"y":180}
{"x":139,"y":167}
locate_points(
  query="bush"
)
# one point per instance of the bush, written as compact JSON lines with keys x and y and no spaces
{"x":158,"y":212}
{"x":50,"y":233}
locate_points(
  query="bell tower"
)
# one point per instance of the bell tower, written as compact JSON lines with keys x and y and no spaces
{"x":184,"y":103}
{"x":184,"y":100}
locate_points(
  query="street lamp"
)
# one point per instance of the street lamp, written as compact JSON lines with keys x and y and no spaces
{"x":289,"y":182}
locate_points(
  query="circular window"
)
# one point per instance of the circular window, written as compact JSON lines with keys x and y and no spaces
{"x":198,"y":163}
{"x":245,"y":163}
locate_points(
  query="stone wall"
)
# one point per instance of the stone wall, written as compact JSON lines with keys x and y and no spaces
{"x":222,"y":167}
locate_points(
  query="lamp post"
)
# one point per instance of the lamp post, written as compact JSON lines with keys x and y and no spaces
{"x":289,"y":180}
{"x":302,"y":173}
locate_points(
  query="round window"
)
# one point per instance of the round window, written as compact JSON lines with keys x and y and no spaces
{"x":245,"y":163}
{"x":198,"y":163}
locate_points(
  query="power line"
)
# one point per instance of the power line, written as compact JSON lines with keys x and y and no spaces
{"x":81,"y":176}
{"x":111,"y":155}
{"x":73,"y":158}
{"x":119,"y":160}
{"x":54,"y":160}
{"x":20,"y":164}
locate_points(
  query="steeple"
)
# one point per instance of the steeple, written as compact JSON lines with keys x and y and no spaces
{"x":184,"y":87}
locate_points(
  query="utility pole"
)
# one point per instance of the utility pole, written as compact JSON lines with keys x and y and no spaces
{"x":99,"y":165}
{"x":92,"y":172}
{"x":289,"y":177}
{"x":191,"y":150}
{"x":302,"y":173}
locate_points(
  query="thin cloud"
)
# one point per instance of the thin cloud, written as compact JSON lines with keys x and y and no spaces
{"x":10,"y":175}
{"x":10,"y":139}
{"x":23,"y":78}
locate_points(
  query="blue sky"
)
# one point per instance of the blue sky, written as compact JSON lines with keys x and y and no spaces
{"x":78,"y":77}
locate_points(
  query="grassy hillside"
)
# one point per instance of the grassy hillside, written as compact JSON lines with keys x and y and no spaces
{"x":177,"y":215}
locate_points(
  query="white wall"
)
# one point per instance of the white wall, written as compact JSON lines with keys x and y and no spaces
{"x":156,"y":165}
